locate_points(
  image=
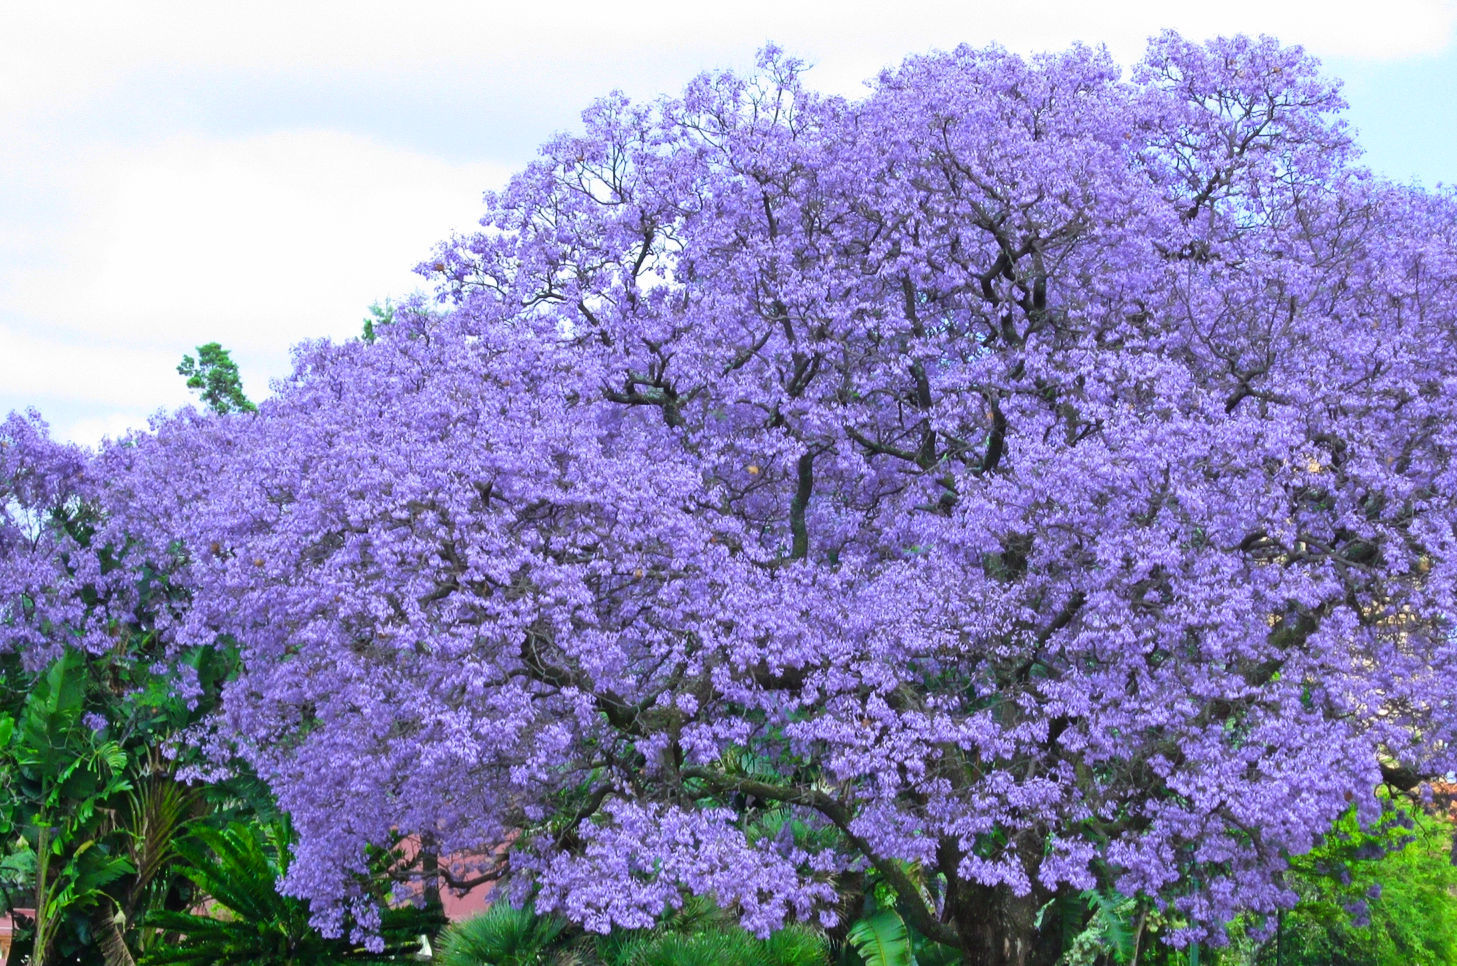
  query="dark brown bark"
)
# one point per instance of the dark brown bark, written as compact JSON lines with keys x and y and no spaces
{"x":997,"y":928}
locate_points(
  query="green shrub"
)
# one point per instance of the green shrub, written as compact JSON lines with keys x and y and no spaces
{"x":249,"y":923}
{"x":505,"y":936}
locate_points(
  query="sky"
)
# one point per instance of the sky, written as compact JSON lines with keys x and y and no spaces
{"x":258,"y":174}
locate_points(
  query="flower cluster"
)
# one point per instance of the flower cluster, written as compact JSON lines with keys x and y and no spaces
{"x":1038,"y":475}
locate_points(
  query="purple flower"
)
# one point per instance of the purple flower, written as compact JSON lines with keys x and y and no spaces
{"x":1025,"y":475}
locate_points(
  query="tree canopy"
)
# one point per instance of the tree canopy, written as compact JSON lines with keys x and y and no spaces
{"x":214,"y":376}
{"x":1026,"y":478}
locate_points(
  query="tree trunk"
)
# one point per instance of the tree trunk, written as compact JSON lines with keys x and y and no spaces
{"x":998,"y":928}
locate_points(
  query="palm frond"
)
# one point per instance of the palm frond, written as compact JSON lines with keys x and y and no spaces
{"x":881,"y":939}
{"x":503,"y":935}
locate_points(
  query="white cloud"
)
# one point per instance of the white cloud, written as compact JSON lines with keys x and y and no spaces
{"x":45,"y":369}
{"x":253,"y":242}
{"x":77,"y":48}
{"x":261,"y":239}
{"x":91,"y":430}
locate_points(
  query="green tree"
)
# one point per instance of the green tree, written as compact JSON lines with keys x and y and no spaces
{"x":1386,"y":896}
{"x":380,"y":314}
{"x":90,"y":806}
{"x":58,"y":774}
{"x":214,"y":375}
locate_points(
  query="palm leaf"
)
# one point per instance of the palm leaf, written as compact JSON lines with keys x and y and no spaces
{"x":503,"y":935}
{"x":1112,"y":920}
{"x":157,"y":809}
{"x":736,"y":948}
{"x":796,"y":945}
{"x":881,"y":939}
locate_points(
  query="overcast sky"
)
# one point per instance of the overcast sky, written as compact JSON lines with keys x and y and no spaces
{"x":259,"y":173}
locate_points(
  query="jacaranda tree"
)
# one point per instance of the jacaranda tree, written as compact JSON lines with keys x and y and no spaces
{"x":1026,"y":479}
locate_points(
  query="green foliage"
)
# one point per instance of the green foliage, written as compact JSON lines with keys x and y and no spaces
{"x":155,"y":813}
{"x":247,"y":921}
{"x":725,"y":944}
{"x":503,"y":935}
{"x":697,"y":933}
{"x":59,"y":782}
{"x":675,"y":949}
{"x":699,"y":949}
{"x":215,"y":376}
{"x":882,"y":939}
{"x":91,"y":812}
{"x":1110,"y":924}
{"x":1399,"y":908}
{"x":796,"y":945}
{"x":81,"y":768}
{"x":1385,"y":895}
{"x":882,"y":934}
{"x":379,"y":315}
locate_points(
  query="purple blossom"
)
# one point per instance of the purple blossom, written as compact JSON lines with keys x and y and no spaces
{"x":1040,"y":476}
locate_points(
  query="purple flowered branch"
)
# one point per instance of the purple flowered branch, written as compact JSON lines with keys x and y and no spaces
{"x":1040,"y":476}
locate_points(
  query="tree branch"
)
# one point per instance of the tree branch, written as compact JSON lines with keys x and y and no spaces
{"x":914,"y":904}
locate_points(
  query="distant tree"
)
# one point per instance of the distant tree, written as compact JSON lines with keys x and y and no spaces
{"x":380,"y":315}
{"x":214,"y":375}
{"x":1386,"y":895}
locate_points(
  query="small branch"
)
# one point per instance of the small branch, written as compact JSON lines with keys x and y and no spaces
{"x":914,"y":904}
{"x":874,"y":448}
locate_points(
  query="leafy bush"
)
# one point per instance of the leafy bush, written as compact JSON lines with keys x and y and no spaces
{"x":503,"y":935}
{"x":696,"y":933}
{"x":1398,"y":909}
{"x":249,"y":923}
